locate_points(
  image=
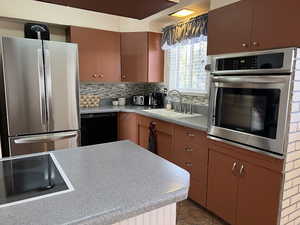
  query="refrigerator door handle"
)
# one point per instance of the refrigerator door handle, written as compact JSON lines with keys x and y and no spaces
{"x":42,"y":87}
{"x":46,"y":138}
{"x":48,"y":87}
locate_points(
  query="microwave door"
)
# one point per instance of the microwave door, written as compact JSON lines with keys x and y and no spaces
{"x":61,"y":71}
{"x":23,"y":81}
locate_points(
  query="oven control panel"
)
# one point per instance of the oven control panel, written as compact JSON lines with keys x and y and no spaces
{"x":265,"y":61}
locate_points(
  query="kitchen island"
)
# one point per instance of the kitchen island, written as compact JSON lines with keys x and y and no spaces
{"x":112,"y":182}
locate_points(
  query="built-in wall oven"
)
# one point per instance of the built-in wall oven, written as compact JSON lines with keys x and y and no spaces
{"x":249,"y":98}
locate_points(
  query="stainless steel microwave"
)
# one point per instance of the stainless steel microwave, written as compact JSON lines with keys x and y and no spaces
{"x":249,"y":98}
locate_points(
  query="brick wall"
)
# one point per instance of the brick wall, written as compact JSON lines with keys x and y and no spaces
{"x":290,"y":204}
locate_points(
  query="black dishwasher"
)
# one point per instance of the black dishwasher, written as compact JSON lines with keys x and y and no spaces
{"x":98,"y":128}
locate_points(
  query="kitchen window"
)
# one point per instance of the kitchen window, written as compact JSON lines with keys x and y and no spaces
{"x":185,"y":67}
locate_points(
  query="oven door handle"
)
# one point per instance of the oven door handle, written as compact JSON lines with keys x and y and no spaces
{"x":252,"y":79}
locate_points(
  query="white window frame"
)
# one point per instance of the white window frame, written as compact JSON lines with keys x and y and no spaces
{"x":185,"y":92}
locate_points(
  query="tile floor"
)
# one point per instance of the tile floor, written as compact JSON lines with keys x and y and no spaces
{"x":189,"y":213}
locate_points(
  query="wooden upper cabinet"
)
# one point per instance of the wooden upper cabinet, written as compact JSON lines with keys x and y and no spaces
{"x":155,"y":58}
{"x":99,"y":54}
{"x":229,"y":28}
{"x":275,"y":24}
{"x":141,"y":57}
{"x":250,"y":25}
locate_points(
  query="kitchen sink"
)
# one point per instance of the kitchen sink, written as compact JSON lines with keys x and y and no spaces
{"x":171,"y":113}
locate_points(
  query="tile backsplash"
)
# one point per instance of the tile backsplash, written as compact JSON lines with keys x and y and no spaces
{"x":117,"y":90}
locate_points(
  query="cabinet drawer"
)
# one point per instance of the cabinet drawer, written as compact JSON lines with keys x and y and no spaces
{"x":197,"y":192}
{"x":161,"y":126}
{"x":197,"y":168}
{"x":187,"y":137}
{"x":184,"y":151}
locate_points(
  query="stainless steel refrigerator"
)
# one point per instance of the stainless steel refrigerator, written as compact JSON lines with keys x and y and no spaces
{"x":38,"y":96}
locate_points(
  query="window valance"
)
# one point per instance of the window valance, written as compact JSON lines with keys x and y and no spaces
{"x":193,"y":30}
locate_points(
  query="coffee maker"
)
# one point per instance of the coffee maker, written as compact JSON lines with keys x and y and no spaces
{"x":157,"y":100}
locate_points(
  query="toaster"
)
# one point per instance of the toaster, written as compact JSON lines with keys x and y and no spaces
{"x":140,"y":100}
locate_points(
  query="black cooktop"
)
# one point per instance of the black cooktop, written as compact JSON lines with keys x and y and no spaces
{"x":29,"y":177}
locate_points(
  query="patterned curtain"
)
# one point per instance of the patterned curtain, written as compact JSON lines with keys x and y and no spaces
{"x":192,"y":31}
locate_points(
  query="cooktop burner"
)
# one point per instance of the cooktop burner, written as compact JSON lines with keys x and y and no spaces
{"x":29,"y":177}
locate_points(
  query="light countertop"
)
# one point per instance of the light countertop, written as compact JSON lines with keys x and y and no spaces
{"x":197,"y":122}
{"x":112,"y":182}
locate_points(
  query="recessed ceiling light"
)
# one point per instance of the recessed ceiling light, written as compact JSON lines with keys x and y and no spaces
{"x":183,"y":13}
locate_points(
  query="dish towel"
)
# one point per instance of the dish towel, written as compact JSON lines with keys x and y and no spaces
{"x":152,"y":142}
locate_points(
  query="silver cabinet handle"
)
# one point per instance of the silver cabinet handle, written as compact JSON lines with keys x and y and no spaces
{"x":255,"y":43}
{"x":242,"y":170}
{"x":189,"y":164}
{"x":123,"y":77}
{"x":234,"y":166}
{"x":187,"y":149}
{"x":101,"y":76}
{"x":45,"y":138}
{"x":95,"y":76}
{"x":244,"y":45}
{"x":190,"y":134}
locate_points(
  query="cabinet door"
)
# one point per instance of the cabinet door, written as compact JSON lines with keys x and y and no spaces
{"x":164,"y":144}
{"x":258,"y":196}
{"x":99,"y":54}
{"x":229,"y":28}
{"x":89,"y":57}
{"x":134,"y":56}
{"x":110,"y":56}
{"x":143,"y":136}
{"x":127,"y":127}
{"x":155,"y":58}
{"x":164,"y":133}
{"x":222,"y":186}
{"x":275,"y":24}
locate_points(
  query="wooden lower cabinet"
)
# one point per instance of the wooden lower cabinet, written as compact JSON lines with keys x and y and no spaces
{"x":196,"y":192}
{"x":127,"y":127}
{"x":187,"y":148}
{"x":222,"y":186}
{"x":143,"y":135}
{"x":240,"y":186}
{"x":191,"y":153}
{"x":243,"y":187}
{"x":258,"y":196}
{"x":164,"y":133}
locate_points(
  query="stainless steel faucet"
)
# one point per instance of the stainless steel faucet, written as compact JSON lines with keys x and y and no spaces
{"x":180,"y":98}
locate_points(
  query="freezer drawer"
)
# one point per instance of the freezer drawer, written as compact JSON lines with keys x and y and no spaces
{"x":43,"y":143}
